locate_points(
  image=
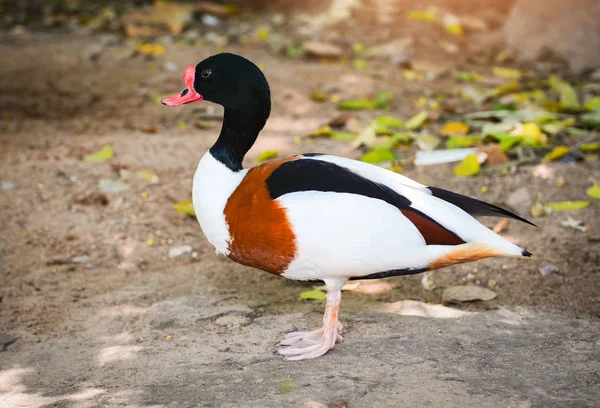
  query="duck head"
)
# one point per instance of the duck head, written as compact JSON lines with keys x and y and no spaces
{"x":225,"y":79}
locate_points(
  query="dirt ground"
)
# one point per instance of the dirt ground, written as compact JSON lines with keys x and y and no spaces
{"x":58,"y":106}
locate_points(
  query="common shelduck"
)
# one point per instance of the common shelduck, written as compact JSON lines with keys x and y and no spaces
{"x":318,"y":216}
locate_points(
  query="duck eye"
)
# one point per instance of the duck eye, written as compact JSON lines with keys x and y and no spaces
{"x":206,"y":73}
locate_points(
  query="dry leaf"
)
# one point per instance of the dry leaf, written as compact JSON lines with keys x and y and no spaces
{"x":416,"y":308}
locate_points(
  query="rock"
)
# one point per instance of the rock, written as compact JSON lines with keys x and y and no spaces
{"x":179,"y":250}
{"x":568,"y":31}
{"x":467,"y":294}
{"x":91,"y":198}
{"x":232,"y":321}
{"x":112,"y":186}
{"x":171,"y":66}
{"x":7,"y":340}
{"x":92,"y":52}
{"x":8,"y":185}
{"x":210,"y":20}
{"x":520,"y":200}
{"x":322,"y":49}
{"x":548,"y":270}
{"x":81,"y":259}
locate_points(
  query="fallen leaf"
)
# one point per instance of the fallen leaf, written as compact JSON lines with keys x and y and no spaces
{"x":262,"y":33}
{"x":590,"y":147}
{"x":456,"y":142}
{"x":557,"y":153}
{"x":427,"y":142}
{"x":416,"y":121}
{"x":469,"y":167}
{"x":358,"y":104}
{"x":594,"y":191}
{"x":567,"y":205}
{"x":182,"y":125}
{"x":112,"y":186}
{"x":314,"y":294}
{"x":360,"y":63}
{"x":151,"y":49}
{"x":266,"y":155}
{"x":102,"y":155}
{"x":378,"y":156}
{"x":498,"y":228}
{"x":593,"y":104}
{"x":394,"y":140}
{"x":453,"y":25}
{"x":568,"y":96}
{"x":575,"y":224}
{"x":295,"y":51}
{"x":164,"y":18}
{"x":506,"y":73}
{"x":467,"y":76}
{"x":149,"y":175}
{"x":323,"y":131}
{"x":388,"y":121}
{"x":343,"y":136}
{"x":467,"y":294}
{"x":430,"y":15}
{"x":319,"y":96}
{"x":591,"y":119}
{"x":185,"y":207}
{"x":416,"y":308}
{"x":454,"y":128}
{"x":286,"y":387}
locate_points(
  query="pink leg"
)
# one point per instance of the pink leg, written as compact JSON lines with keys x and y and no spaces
{"x":305,"y":345}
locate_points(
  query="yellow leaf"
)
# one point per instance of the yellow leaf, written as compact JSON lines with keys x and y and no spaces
{"x":182,"y":124}
{"x":557,"y":153}
{"x":567,"y":205}
{"x":148,"y":175}
{"x":267,"y":155}
{"x":428,"y":15}
{"x":102,"y":155}
{"x":150,"y":241}
{"x":594,"y":191}
{"x":151,"y":49}
{"x":314,"y":294}
{"x":388,"y":121}
{"x":323,"y":131}
{"x":568,"y":96}
{"x":416,"y":121}
{"x":319,"y":96}
{"x":185,"y":207}
{"x":360,"y":64}
{"x":506,"y":73}
{"x":532,"y":132}
{"x":590,"y":147}
{"x":263,"y":33}
{"x":378,"y":156}
{"x":453,"y":25}
{"x":469,"y":167}
{"x":454,"y":128}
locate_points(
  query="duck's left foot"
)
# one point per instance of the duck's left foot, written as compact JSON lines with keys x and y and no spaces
{"x":305,"y":345}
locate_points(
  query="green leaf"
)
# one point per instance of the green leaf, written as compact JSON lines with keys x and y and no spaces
{"x":295,"y":52}
{"x":267,"y":155}
{"x":568,"y":96}
{"x":102,"y":155}
{"x":378,"y":156}
{"x":590,"y":147}
{"x":343,"y":136}
{"x":314,"y":294}
{"x":456,"y":142}
{"x":557,"y":153}
{"x":509,"y":143}
{"x":567,"y":205}
{"x":416,"y":121}
{"x":593,"y":104}
{"x":427,"y":142}
{"x":594,"y":191}
{"x":393,"y":140}
{"x":382,"y":98}
{"x":360,"y":64}
{"x":323,"y":131}
{"x":469,"y":167}
{"x":388,"y":121}
{"x":185,"y":207}
{"x":358,"y":104}
{"x":182,"y":124}
{"x":467,"y":76}
{"x":287,"y":386}
{"x":506,"y":73}
{"x":591,"y":119}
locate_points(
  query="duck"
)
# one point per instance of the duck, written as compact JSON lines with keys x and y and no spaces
{"x":319,"y":216}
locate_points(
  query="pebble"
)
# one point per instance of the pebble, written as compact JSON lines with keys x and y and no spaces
{"x":8,"y":185}
{"x":210,"y":20}
{"x":171,"y":66}
{"x":81,"y":259}
{"x":179,"y":250}
{"x":548,"y":270}
{"x":232,"y":321}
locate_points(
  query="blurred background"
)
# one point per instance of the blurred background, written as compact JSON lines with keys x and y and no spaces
{"x":499,"y":100}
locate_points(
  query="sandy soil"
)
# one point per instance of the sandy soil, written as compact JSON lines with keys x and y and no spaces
{"x":59,"y":106}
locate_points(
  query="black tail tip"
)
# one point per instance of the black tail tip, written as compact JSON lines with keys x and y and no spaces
{"x":527,"y":253}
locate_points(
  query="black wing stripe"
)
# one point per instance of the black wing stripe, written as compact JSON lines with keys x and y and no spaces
{"x":474,"y":206}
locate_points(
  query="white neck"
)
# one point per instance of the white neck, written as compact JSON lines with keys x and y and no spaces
{"x":213,"y":185}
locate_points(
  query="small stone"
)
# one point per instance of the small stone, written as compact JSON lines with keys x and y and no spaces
{"x":93,"y":52}
{"x":7,"y":340}
{"x":179,"y":250}
{"x":81,"y":259}
{"x":232,"y":320}
{"x":8,"y":185}
{"x":210,"y":20}
{"x":548,"y":270}
{"x":520,"y":200}
{"x":171,"y":66}
{"x":322,"y":49}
